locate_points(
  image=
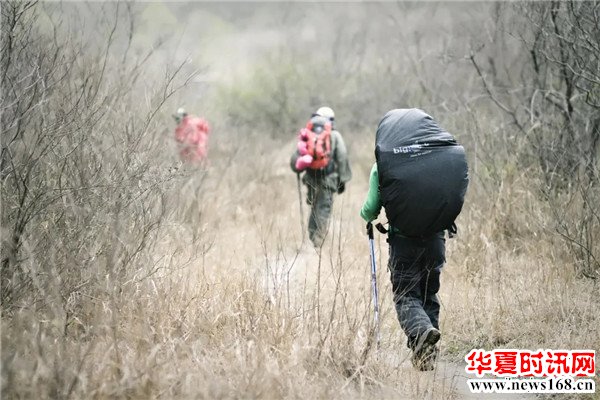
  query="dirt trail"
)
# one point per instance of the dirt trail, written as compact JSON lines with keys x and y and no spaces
{"x":447,"y":381}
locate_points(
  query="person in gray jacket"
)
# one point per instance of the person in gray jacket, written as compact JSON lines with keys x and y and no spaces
{"x":323,"y":158}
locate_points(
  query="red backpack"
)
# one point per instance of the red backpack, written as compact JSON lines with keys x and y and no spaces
{"x":319,"y":145}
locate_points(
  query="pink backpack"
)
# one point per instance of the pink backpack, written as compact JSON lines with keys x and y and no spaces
{"x":192,"y":134}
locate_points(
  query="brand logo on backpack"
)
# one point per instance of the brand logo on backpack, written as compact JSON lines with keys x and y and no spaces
{"x":413,"y":148}
{"x":318,"y":144}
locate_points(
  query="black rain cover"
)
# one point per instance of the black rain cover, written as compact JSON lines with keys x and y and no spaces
{"x":423,"y":173}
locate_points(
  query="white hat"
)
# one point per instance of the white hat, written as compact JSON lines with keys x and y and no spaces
{"x":326,"y":112}
{"x":180,"y":114}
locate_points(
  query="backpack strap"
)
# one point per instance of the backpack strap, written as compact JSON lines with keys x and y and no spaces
{"x":381,"y":228}
{"x":452,"y":231}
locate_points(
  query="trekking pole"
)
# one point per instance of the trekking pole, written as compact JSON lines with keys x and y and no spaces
{"x":301,"y":208}
{"x":374,"y":281}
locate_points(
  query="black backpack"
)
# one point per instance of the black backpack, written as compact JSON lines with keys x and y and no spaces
{"x":423,"y":173}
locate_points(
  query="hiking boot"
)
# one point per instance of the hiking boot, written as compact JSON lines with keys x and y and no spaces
{"x":426,"y":351}
{"x":426,"y":361}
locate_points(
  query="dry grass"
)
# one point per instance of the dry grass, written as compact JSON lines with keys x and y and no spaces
{"x":257,"y":316}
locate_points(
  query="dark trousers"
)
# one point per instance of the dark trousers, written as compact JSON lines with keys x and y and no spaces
{"x":415,"y":266}
{"x":321,"y":200}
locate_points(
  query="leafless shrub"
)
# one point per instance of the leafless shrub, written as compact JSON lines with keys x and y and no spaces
{"x":551,"y":98}
{"x":84,"y":190}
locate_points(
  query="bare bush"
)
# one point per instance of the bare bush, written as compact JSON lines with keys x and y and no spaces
{"x":67,"y":163}
{"x":551,"y":98}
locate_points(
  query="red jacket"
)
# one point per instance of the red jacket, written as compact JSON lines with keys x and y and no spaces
{"x":192,"y":136}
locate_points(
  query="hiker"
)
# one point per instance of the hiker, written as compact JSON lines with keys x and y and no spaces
{"x":420,"y":178}
{"x":321,"y":154}
{"x":191,"y":135}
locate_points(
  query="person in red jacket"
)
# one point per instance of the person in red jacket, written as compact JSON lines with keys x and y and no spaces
{"x":191,"y":135}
